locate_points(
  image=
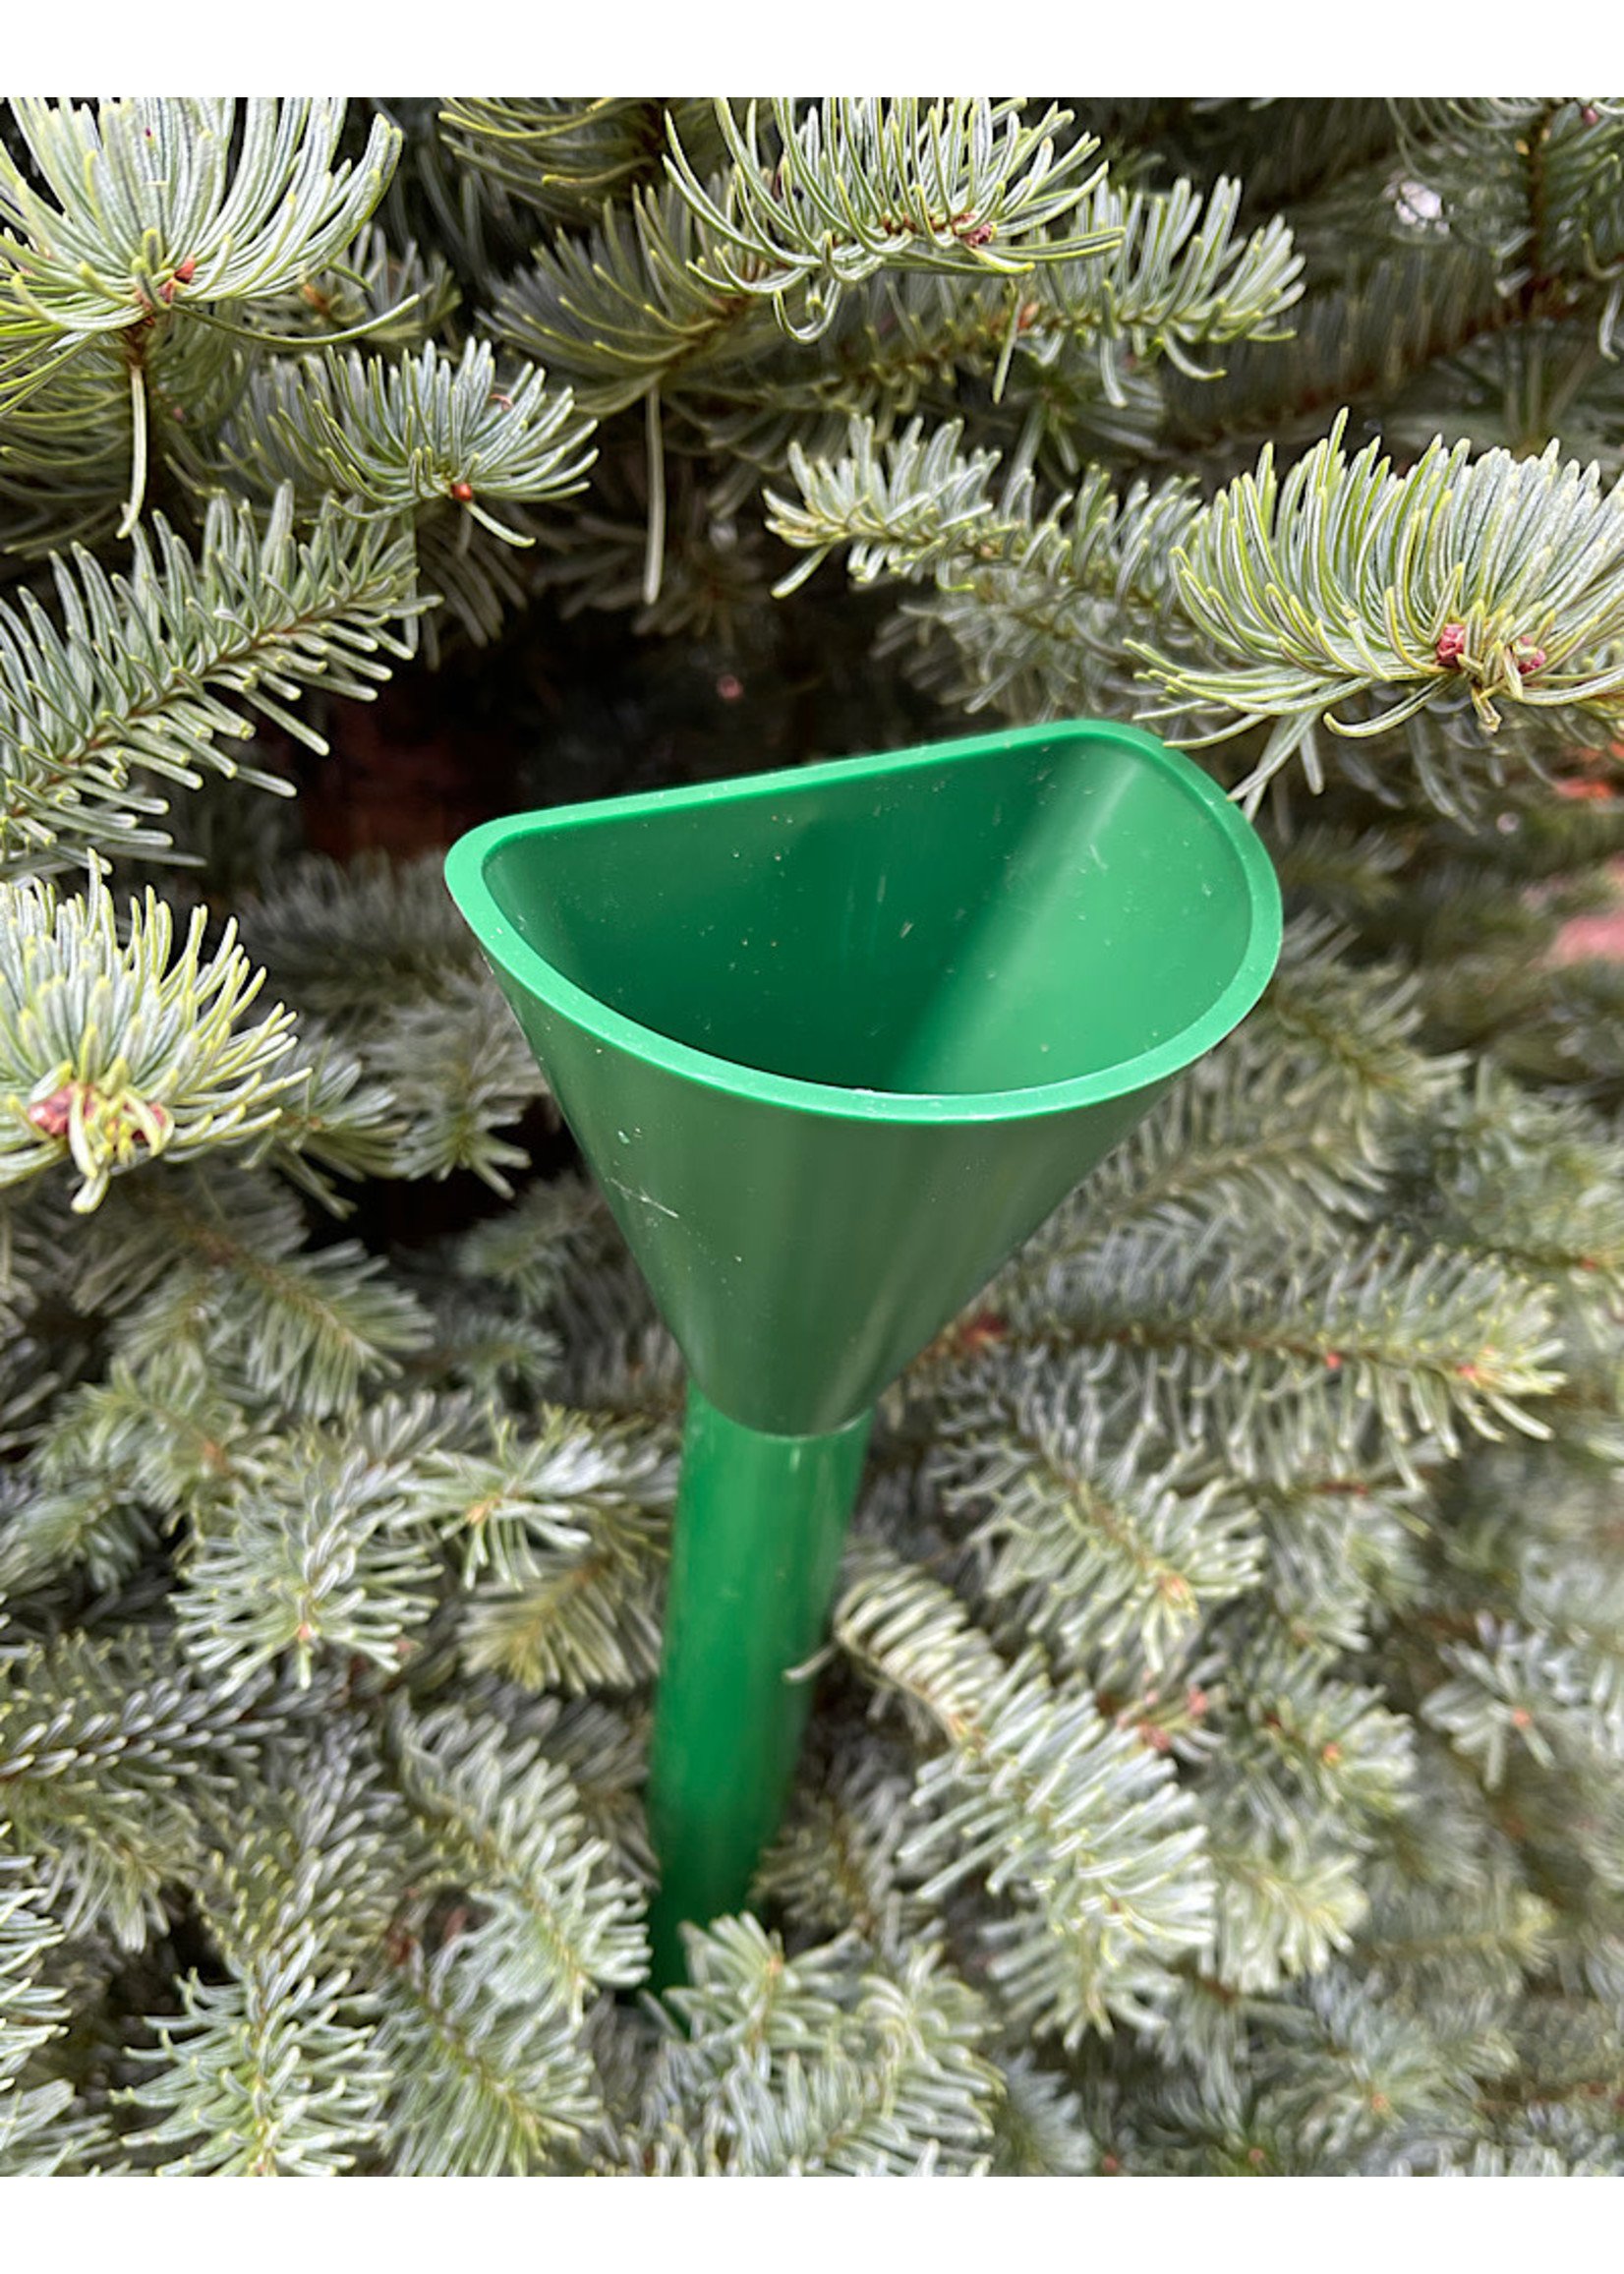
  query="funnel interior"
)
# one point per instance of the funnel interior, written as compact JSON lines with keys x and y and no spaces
{"x":1029,"y":909}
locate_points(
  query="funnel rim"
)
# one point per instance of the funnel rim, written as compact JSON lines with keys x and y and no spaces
{"x":467,"y":859}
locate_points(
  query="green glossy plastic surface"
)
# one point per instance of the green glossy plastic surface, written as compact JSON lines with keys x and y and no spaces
{"x":755,"y":1553}
{"x":834,"y":1042}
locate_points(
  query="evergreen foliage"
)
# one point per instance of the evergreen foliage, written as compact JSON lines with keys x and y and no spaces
{"x":1218,"y":1761}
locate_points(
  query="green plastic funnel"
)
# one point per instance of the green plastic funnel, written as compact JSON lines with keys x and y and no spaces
{"x":834,"y":1042}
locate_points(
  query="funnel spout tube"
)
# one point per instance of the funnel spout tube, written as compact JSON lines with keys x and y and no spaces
{"x":761,"y":1522}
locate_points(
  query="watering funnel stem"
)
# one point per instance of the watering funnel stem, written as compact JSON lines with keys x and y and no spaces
{"x":761,"y":1521}
{"x":834,"y":1042}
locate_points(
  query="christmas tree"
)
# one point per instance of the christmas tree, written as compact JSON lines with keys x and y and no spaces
{"x":1217,"y":1762}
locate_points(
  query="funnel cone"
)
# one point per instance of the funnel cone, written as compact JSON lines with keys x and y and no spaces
{"x":836,"y":1041}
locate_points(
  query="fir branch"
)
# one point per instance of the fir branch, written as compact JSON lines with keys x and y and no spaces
{"x":1283,"y":151}
{"x":1177,"y":277}
{"x":1365,"y":2070}
{"x":914,"y":2082}
{"x":143,"y":224}
{"x":604,"y":1749}
{"x":1515,"y":387}
{"x":441,"y":199}
{"x":502,"y":1817}
{"x":1257,"y":1126}
{"x":922,"y":506}
{"x":1533,"y":181}
{"x":833,"y":1866}
{"x":1530,"y":1691}
{"x":481,"y":1345}
{"x":1036,"y":606}
{"x":515,"y":1510}
{"x":149,"y":670}
{"x":457,"y":1070}
{"x":335,"y":1118}
{"x":1494,"y":1932}
{"x":1223,"y":1330}
{"x":1040,"y":2131}
{"x":65,"y":449}
{"x":1091,"y":1528}
{"x":552,"y":1229}
{"x":897,"y":341}
{"x":108,"y":1751}
{"x":491,"y":2076}
{"x":164,"y":1440}
{"x":264,"y":2076}
{"x":141,"y":211}
{"x":1039,"y":1795}
{"x":1359,"y":337}
{"x":35,"y":2139}
{"x":568,"y":157}
{"x":95,"y":1522}
{"x":903,"y":343}
{"x":274,"y":2071}
{"x":681,"y":283}
{"x":630,"y":311}
{"x":925,"y":510}
{"x":468,"y":560}
{"x":391,"y":437}
{"x":1301,"y":1742}
{"x":1538,"y":1182}
{"x":1392,"y":592}
{"x":111,"y":1054}
{"x":398,"y":297}
{"x":1355,"y":1031}
{"x":223,"y":1264}
{"x":808,"y":2065}
{"x":348,"y":942}
{"x":324,"y":1549}
{"x":1288,"y":1896}
{"x":586,"y":1618}
{"x":1342,"y":1544}
{"x":962,"y":185}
